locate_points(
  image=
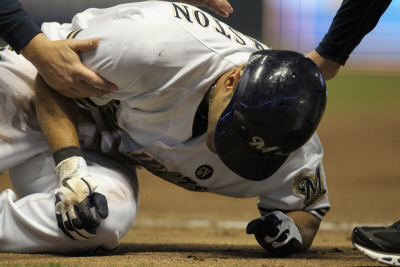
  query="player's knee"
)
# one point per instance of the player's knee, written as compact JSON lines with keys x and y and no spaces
{"x":122,"y":206}
{"x":121,"y":190}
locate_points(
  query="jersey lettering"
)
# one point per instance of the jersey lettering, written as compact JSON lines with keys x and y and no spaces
{"x":257,"y":44}
{"x":161,"y":171}
{"x":186,"y":14}
{"x":218,"y":28}
{"x":237,"y":37}
{"x":183,"y":12}
{"x":203,"y":21}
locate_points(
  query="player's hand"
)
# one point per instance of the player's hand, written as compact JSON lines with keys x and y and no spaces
{"x":60,"y":66}
{"x":77,"y":192}
{"x":328,"y":68}
{"x":220,"y":7}
{"x":276,"y":233}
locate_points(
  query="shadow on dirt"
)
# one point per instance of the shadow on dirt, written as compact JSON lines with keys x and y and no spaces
{"x":225,"y":252}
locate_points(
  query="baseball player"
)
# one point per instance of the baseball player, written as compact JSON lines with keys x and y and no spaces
{"x":27,"y":222}
{"x":27,"y":225}
{"x":200,"y":105}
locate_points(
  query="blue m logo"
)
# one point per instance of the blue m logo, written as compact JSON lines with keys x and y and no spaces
{"x":310,"y":186}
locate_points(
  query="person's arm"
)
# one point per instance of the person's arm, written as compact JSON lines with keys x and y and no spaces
{"x":16,"y":26}
{"x":308,"y":226}
{"x":284,"y":234}
{"x":57,"y":116}
{"x":77,"y":191}
{"x":60,"y":66}
{"x":328,"y":67}
{"x":353,"y":20}
{"x":56,"y":61}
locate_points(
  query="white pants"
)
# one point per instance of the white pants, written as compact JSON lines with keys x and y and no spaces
{"x":29,"y":225}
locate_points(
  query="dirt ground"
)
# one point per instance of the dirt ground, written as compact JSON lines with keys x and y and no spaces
{"x":362,"y":167}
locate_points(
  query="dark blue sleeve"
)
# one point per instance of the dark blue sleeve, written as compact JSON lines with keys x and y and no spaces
{"x":353,"y":20}
{"x":16,"y":26}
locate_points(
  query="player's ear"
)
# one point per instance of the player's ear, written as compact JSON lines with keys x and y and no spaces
{"x":232,"y":79}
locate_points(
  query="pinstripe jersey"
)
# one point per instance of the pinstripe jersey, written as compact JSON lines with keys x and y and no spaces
{"x":163,"y":57}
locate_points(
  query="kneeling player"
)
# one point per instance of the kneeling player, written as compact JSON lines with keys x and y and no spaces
{"x":200,"y":106}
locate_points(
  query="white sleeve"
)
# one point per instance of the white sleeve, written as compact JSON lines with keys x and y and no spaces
{"x":145,"y":48}
{"x":137,"y":52}
{"x":300,"y":183}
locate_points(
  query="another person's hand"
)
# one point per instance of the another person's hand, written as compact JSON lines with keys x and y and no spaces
{"x":276,"y":233}
{"x":61,"y":68}
{"x":220,"y":7}
{"x":77,"y":192}
{"x":329,"y":68}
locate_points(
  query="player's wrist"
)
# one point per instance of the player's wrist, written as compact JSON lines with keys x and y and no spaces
{"x":65,"y":153}
{"x":33,"y":49}
{"x":69,"y":163}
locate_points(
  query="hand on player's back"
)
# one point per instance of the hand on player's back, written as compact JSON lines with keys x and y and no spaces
{"x":60,"y":66}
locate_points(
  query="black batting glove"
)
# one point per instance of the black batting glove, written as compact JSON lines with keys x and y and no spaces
{"x":276,"y":233}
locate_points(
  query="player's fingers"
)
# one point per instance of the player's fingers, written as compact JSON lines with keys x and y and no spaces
{"x":59,"y":217}
{"x":67,"y":221}
{"x":252,"y":227}
{"x":221,"y":7}
{"x":82,"y":89}
{"x":100,"y":202}
{"x":88,"y":221}
{"x":92,"y":79}
{"x":77,"y":227}
{"x":280,"y":240}
{"x":82,"y":45}
{"x":83,"y":225}
{"x":271,"y":223}
{"x":216,"y":3}
{"x":222,"y":13}
{"x":226,"y":6}
{"x":218,"y":10}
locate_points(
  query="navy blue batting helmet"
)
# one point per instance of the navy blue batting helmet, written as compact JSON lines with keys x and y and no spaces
{"x":276,"y":108}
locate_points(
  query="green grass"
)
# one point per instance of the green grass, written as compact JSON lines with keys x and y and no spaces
{"x":364,"y":92}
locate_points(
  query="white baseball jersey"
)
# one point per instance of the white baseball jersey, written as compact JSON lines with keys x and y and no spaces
{"x":163,"y":57}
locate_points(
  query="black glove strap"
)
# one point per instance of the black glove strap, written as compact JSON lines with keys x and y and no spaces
{"x":66,"y":152}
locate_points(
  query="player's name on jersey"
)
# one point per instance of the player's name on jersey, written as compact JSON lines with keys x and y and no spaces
{"x":194,"y":15}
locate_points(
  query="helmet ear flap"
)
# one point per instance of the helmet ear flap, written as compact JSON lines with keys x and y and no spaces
{"x":276,"y":108}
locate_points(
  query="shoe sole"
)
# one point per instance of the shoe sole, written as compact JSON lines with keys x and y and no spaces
{"x":379,"y":256}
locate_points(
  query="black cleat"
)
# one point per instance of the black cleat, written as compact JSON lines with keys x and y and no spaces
{"x":379,"y":243}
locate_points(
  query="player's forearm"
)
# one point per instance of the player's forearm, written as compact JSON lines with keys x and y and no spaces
{"x":353,"y":20}
{"x":308,"y":226}
{"x":57,"y":117}
{"x":16,"y":26}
